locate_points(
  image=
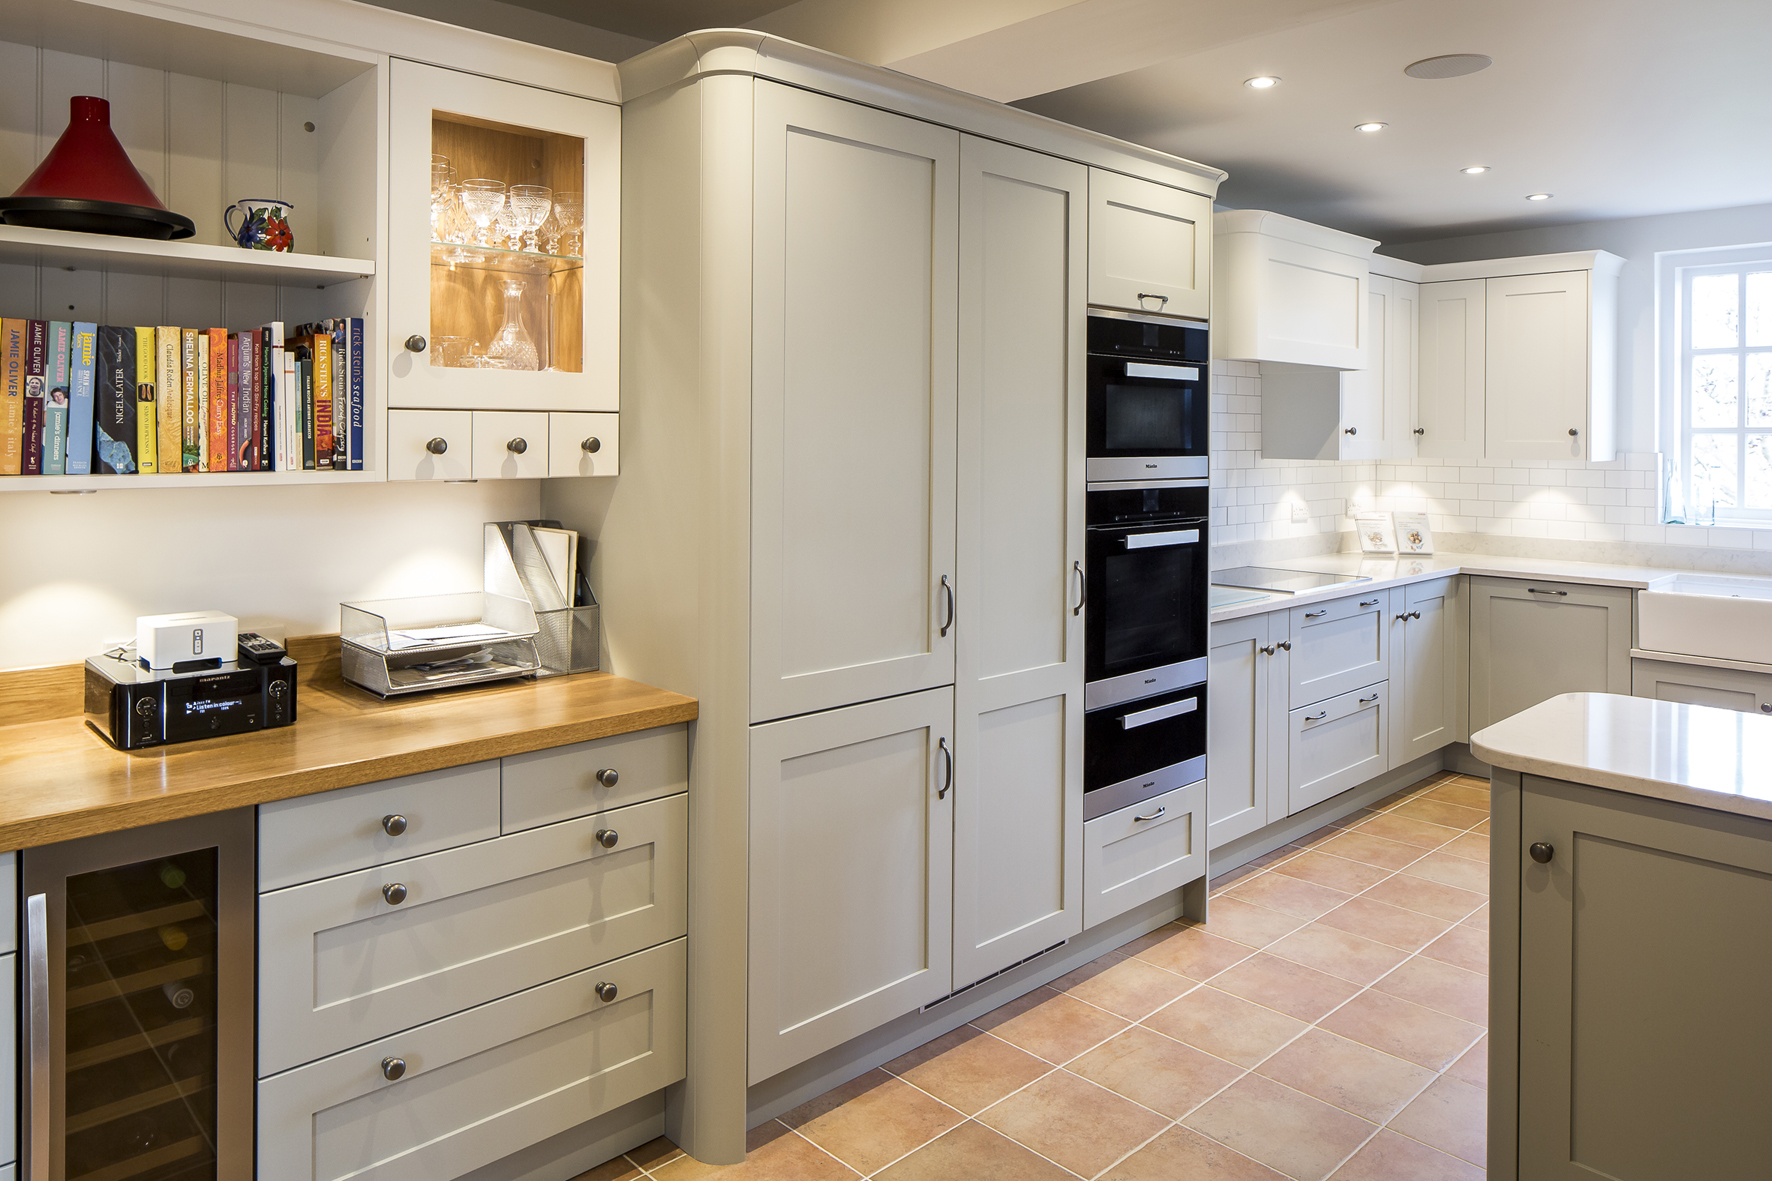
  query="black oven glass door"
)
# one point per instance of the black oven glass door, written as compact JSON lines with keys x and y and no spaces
{"x":1145,"y":409}
{"x":1147,"y":586}
{"x":1133,"y":741}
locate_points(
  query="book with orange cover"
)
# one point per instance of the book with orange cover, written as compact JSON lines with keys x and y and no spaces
{"x":190,"y":432}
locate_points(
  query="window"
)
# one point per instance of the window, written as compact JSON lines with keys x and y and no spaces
{"x":1721,"y":367}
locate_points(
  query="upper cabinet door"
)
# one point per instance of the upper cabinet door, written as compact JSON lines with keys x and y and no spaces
{"x":853,"y":588}
{"x":1538,"y":366}
{"x":504,"y":216}
{"x":1365,"y":392}
{"x":1150,"y":246}
{"x":1450,"y":410}
{"x":1402,"y":354}
{"x":1018,"y":803}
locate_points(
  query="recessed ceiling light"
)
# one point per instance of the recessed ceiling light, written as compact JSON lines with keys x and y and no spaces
{"x":1538,"y":196}
{"x":1370,"y":126}
{"x":1475,"y":170}
{"x":1264,"y":82}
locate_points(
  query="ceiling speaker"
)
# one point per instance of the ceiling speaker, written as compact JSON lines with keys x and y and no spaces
{"x":1451,"y":65}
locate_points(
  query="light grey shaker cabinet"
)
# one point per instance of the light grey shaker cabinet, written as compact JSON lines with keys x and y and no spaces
{"x":1136,"y":854}
{"x":1247,"y":735}
{"x":1018,"y":694}
{"x":1532,"y":640}
{"x":1338,"y":645}
{"x":1702,"y":684}
{"x":564,"y":782}
{"x":1150,"y":246}
{"x":1430,"y":646}
{"x":853,"y":403}
{"x":1337,"y":744}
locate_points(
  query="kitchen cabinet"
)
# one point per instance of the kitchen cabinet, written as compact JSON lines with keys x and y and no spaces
{"x":853,"y":404}
{"x":1702,"y":684}
{"x":1136,"y":854}
{"x":1534,"y":640}
{"x":851,"y":873}
{"x":1337,"y":645}
{"x":1337,"y":744}
{"x":1378,"y":403}
{"x":1018,"y":692}
{"x":1150,"y":246}
{"x":1536,"y":368}
{"x":1452,"y":318}
{"x":1246,"y":690}
{"x":1430,"y":665}
{"x":584,"y":444}
{"x":430,"y":445}
{"x":510,"y":445}
{"x":1288,"y":291}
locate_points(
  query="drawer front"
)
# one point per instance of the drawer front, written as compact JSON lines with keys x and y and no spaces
{"x":1339,"y":646}
{"x":340,"y":966}
{"x":559,"y":784}
{"x":584,"y":444}
{"x":414,"y":437}
{"x":483,"y":1084}
{"x":1337,"y":744}
{"x":1127,"y":861}
{"x":510,"y":445}
{"x":314,"y":837}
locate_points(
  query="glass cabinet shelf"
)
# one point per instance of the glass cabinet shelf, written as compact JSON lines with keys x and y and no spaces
{"x":468,"y":257}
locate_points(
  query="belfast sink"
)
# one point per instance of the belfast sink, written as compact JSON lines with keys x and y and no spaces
{"x":1713,"y":615}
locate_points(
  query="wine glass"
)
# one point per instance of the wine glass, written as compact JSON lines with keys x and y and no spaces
{"x":482,"y":197}
{"x":441,"y":191}
{"x":531,"y":203}
{"x":569,"y":211}
{"x":507,"y":231}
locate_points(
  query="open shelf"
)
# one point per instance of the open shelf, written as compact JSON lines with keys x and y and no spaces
{"x":146,"y":256}
{"x":69,"y":484}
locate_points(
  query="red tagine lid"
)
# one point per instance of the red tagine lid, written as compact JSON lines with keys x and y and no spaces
{"x":87,"y":163}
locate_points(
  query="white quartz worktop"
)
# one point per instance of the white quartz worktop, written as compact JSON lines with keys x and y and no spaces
{"x":1387,"y":571}
{"x":1690,"y":754}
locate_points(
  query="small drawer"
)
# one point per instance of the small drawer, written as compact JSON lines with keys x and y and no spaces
{"x":430,"y":444}
{"x":478,"y":1086}
{"x":350,"y":959}
{"x":1137,"y":853}
{"x":584,"y":444}
{"x":567,"y":781}
{"x":335,"y":832}
{"x":1338,"y":645}
{"x":510,"y":445}
{"x":1337,"y":744}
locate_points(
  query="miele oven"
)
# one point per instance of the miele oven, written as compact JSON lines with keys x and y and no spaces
{"x":1148,"y":411}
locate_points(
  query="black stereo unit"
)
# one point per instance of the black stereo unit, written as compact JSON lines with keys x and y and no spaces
{"x":133,"y":708}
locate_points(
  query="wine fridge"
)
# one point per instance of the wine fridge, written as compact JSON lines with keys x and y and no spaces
{"x":138,"y":1004}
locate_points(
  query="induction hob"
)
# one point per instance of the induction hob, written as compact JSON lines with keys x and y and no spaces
{"x":1271,"y":578}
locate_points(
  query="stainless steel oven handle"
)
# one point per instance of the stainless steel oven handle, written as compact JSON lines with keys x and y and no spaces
{"x":1162,"y":372}
{"x":37,"y":1030}
{"x":1145,"y":717}
{"x":1082,"y":588}
{"x":1157,"y":540}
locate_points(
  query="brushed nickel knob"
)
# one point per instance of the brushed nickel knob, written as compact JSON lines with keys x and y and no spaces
{"x":395,"y":893}
{"x":437,"y":446}
{"x":592,"y":445}
{"x":1351,"y":431}
{"x":607,"y":837}
{"x":609,"y":777}
{"x":415,"y":343}
{"x":606,"y":991}
{"x":1573,"y":432}
{"x":393,"y":825}
{"x":1421,"y":430}
{"x":393,"y":1069}
{"x":1541,"y":852}
{"x":517,"y":446}
{"x":1766,"y":707}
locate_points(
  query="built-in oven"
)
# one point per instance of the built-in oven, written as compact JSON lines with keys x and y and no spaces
{"x":1146,"y":608}
{"x":1149,"y":415}
{"x":1141,"y":749}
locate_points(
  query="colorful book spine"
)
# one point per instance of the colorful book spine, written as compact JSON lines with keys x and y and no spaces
{"x":267,"y":403}
{"x":83,"y":357}
{"x":202,"y":401}
{"x":169,"y":381}
{"x":36,"y":371}
{"x":231,"y":427}
{"x":12,"y":397}
{"x":323,"y":441}
{"x":147,"y":425}
{"x":115,"y":427}
{"x":55,"y":428}
{"x":357,"y":393}
{"x":252,"y":406}
{"x":218,"y":400}
{"x":304,"y":376}
{"x":190,"y":424}
{"x":339,"y":331}
{"x":289,"y":410}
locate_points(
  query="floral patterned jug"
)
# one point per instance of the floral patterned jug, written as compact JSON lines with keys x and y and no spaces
{"x":264,"y":224}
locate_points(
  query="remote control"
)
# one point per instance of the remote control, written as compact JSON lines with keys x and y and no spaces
{"x":258,"y":650}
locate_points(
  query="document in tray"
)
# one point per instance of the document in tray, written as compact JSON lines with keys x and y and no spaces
{"x":427,"y":637}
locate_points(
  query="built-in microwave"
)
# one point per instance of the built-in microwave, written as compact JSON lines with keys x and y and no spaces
{"x":1148,"y":410}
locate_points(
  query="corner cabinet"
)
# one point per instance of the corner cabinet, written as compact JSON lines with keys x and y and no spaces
{"x":1150,"y":246}
{"x":1531,"y":641}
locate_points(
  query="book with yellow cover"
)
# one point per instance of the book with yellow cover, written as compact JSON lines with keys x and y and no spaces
{"x":12,"y":397}
{"x":169,"y":381}
{"x":217,"y":445}
{"x":189,"y":435}
{"x":147,"y":424}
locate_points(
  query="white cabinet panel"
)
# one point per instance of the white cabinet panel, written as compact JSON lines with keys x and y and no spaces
{"x":1450,"y":411}
{"x":1134,"y":855}
{"x":9,"y":1063}
{"x":1429,"y":668}
{"x":584,"y":444}
{"x":1289,"y":292}
{"x":1402,"y":362}
{"x":430,"y":445}
{"x":1339,"y":645}
{"x":853,"y":404}
{"x":1697,"y":684}
{"x":1018,"y":797}
{"x":1533,"y":640}
{"x":851,"y":873}
{"x":1150,"y":246}
{"x":1338,"y":744}
{"x":1537,"y":366}
{"x":563,"y":782}
{"x":1246,"y":757}
{"x":510,"y":445}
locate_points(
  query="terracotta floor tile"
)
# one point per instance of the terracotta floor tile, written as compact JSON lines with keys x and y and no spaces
{"x":1073,"y":1122}
{"x":1195,"y":952}
{"x":1359,"y":845}
{"x":1288,"y":895}
{"x":1338,"y":873}
{"x":1386,"y":923}
{"x":1451,"y":1116}
{"x":1253,"y":866}
{"x":1461,"y":872}
{"x":871,"y":1121}
{"x":654,"y":1153}
{"x":772,"y":1153}
{"x":1473,"y":781}
{"x":1479,"y":920}
{"x":1051,"y":1025}
{"x":1472,"y":846}
{"x":1152,"y":938}
{"x":1285,"y":986}
{"x":1398,"y":798}
{"x":1231,"y":877}
{"x":1390,"y":1157}
{"x":1473,"y":1067}
{"x":1339,"y":953}
{"x":1403,"y":1029}
{"x":1482,"y":828}
{"x":1246,"y":923}
{"x":619,"y":1169}
{"x":968,"y":1068}
{"x":1181,"y":1154}
{"x":1159,"y":1072}
{"x":1225,"y":1026}
{"x":1352,"y":820}
{"x":1462,"y":794}
{"x":1284,"y":1129}
{"x":1441,"y":986}
{"x":1425,"y":896}
{"x":1442,"y":813}
{"x":1405,"y":831}
{"x":1311,"y":840}
{"x":973,"y":1150}
{"x":1130,"y":988}
{"x":1351,"y":1076}
{"x":1464,"y":945}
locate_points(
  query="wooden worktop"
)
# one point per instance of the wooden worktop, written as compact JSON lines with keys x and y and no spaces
{"x":59,"y":780}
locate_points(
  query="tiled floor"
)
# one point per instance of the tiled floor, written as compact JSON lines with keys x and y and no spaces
{"x":1327,"y":1022}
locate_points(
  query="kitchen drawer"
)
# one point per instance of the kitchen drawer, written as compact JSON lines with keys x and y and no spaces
{"x":335,"y":832}
{"x":559,"y":784}
{"x":430,"y":444}
{"x":482,"y":1084}
{"x":510,"y":445}
{"x":1339,"y":645}
{"x":1128,"y":860}
{"x":1337,"y":744}
{"x":584,"y":444}
{"x":339,"y":965}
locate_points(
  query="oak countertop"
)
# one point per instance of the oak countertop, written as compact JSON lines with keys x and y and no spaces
{"x":60,"y":780}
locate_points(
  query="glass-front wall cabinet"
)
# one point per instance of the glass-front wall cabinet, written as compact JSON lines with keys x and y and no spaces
{"x":504,"y":216}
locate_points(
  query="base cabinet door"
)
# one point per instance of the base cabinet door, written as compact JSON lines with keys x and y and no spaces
{"x":1645,"y":1037}
{"x":1429,"y":659}
{"x":1134,"y":855}
{"x":851,"y":873}
{"x":1697,"y":684}
{"x":1338,"y":744}
{"x":1246,"y":741}
{"x":1531,"y":641}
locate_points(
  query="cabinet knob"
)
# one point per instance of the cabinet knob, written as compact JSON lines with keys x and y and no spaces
{"x":393,"y":825}
{"x":591,"y":445}
{"x":1414,"y":615}
{"x":1266,"y":649}
{"x":1573,"y":432}
{"x":1766,"y":707}
{"x":1283,"y":645}
{"x":1541,"y":852}
{"x":415,"y":343}
{"x":517,"y":446}
{"x":1421,"y":430}
{"x":606,"y":991}
{"x":1351,"y":431}
{"x":609,"y":777}
{"x":393,"y":1069}
{"x":395,"y":893}
{"x":607,"y":837}
{"x":437,"y":446}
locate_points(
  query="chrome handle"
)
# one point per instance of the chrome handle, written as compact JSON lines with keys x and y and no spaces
{"x":1157,"y":815}
{"x":608,"y":837}
{"x":1082,"y":588}
{"x":1532,"y":590}
{"x":949,"y":588}
{"x":591,"y":445}
{"x":1351,"y":431}
{"x":1170,"y":537}
{"x":517,"y":446}
{"x":1162,"y":372}
{"x":37,"y":1032}
{"x":1368,"y":602}
{"x":437,"y":446}
{"x":1316,"y":717}
{"x":1145,"y":717}
{"x":1421,"y":430}
{"x":394,"y":893}
{"x":415,"y":343}
{"x":948,"y":781}
{"x":1285,"y":644}
{"x":1144,"y":295}
{"x":606,"y":991}
{"x":1573,"y":432}
{"x":1542,"y":852}
{"x":393,"y":825}
{"x":1266,"y":649}
{"x":393,"y":1069}
{"x":1368,"y":700}
{"x":1319,"y":614}
{"x":609,"y":777}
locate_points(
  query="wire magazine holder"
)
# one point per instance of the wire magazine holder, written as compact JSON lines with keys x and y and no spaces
{"x":538,"y":563}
